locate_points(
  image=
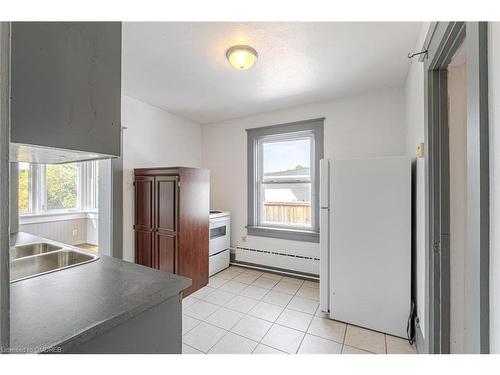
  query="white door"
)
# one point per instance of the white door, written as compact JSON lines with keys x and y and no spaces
{"x":370,"y":256}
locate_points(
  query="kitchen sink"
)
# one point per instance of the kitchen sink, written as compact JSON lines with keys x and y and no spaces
{"x":32,"y":249}
{"x":30,"y":266}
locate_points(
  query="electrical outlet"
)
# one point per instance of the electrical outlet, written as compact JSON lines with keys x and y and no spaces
{"x":75,"y":232}
{"x":244,"y":238}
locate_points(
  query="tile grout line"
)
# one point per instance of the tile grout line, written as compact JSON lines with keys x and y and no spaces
{"x":284,"y":308}
{"x":192,"y":347}
{"x":196,"y":325}
{"x":305,"y":333}
{"x":269,"y":346}
{"x":295,"y":294}
{"x":343,"y":341}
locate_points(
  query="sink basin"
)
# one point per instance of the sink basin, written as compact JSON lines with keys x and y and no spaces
{"x":23,"y":268}
{"x":32,"y":249}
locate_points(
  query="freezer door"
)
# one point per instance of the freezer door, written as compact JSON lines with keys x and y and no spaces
{"x":324,"y":234}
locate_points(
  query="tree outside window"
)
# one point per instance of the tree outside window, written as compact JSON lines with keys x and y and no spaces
{"x":61,"y":184}
{"x":24,"y":188}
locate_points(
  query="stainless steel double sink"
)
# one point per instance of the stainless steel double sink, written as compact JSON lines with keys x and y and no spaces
{"x":39,"y":258}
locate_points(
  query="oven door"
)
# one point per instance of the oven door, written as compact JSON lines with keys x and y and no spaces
{"x":219,"y":235}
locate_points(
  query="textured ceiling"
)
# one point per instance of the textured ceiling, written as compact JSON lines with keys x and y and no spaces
{"x":181,"y":66}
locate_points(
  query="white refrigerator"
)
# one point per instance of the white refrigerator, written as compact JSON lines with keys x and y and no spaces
{"x":365,"y":242}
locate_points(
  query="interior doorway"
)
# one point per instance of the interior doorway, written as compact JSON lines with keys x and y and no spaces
{"x":456,"y":135}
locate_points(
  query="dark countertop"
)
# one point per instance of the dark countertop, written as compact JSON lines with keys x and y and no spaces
{"x":68,"y":307}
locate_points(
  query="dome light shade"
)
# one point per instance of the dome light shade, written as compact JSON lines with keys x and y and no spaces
{"x":241,"y":57}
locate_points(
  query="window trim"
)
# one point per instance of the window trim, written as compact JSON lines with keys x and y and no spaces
{"x":86,"y":193}
{"x":261,"y":180}
{"x":254,"y":135}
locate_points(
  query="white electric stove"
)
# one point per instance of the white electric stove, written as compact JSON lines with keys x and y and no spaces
{"x":220,"y":234}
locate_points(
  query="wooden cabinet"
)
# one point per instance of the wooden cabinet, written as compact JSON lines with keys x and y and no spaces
{"x":171,"y":221}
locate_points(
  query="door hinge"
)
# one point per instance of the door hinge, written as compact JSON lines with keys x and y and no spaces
{"x":436,"y":247}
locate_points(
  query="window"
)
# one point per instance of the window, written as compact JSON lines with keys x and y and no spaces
{"x":24,"y":188}
{"x":283,"y":171}
{"x":57,"y":188}
{"x":61,"y":184}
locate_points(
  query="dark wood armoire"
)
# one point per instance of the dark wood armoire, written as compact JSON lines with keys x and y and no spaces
{"x":171,"y":221}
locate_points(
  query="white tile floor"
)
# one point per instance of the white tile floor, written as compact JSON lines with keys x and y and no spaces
{"x":245,"y":311}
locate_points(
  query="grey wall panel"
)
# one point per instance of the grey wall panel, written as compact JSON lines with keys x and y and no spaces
{"x":66,"y":85}
{"x":157,"y":330}
{"x":4,"y":185}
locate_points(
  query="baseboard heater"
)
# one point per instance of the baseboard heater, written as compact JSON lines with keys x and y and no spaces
{"x":277,"y":270}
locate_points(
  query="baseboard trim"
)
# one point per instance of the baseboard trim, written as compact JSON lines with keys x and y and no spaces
{"x":276,"y":270}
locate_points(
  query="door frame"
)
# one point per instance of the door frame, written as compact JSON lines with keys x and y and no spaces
{"x":443,"y":40}
{"x":4,"y":185}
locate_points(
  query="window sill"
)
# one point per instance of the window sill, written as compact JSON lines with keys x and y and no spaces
{"x":284,"y":234}
{"x":47,"y":217}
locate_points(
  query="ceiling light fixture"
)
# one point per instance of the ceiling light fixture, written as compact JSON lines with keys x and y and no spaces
{"x":241,"y":57}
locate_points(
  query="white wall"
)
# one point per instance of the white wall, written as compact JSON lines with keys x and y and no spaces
{"x":153,"y":138}
{"x":93,"y":229}
{"x":415,"y":117}
{"x":415,"y":96}
{"x":367,"y":125}
{"x":72,"y":232}
{"x":494,"y":108}
{"x":415,"y":125}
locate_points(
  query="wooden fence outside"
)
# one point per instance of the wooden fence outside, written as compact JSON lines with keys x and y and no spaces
{"x":286,"y":212}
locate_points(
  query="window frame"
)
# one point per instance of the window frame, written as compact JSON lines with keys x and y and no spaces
{"x":255,"y":138}
{"x":261,"y":180}
{"x":86,"y":191}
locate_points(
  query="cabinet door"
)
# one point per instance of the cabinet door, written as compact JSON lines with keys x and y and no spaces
{"x":144,"y":220}
{"x":165,"y":250}
{"x":166,"y":204}
{"x":144,"y":203}
{"x":144,"y":248}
